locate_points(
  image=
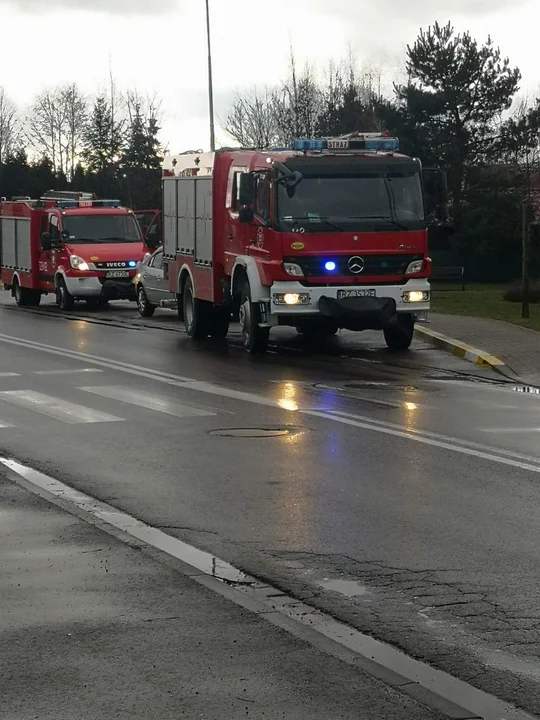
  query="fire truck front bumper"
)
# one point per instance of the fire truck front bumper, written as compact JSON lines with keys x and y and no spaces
{"x":101,"y":287}
{"x":352,"y":307}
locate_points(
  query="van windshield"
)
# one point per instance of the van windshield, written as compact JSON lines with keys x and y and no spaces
{"x":87,"y":229}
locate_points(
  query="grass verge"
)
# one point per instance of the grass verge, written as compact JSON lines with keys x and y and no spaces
{"x":481,"y":301}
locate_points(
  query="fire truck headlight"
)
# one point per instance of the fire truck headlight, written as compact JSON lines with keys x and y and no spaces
{"x":77,"y":263}
{"x":415,"y":267}
{"x":291,"y":298}
{"x":293,"y":269}
{"x":414,"y":296}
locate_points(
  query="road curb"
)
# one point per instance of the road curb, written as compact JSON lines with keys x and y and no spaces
{"x":461,"y":350}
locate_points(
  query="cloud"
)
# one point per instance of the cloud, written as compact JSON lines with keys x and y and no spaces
{"x":414,"y":9}
{"x":115,"y":7}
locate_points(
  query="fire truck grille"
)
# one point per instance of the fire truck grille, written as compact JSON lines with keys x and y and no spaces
{"x":373,"y":265}
{"x":112,"y":265}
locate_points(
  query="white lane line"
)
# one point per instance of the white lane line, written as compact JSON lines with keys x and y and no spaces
{"x":147,"y":400}
{"x":9,"y":374}
{"x":53,"y":407}
{"x":510,"y":430}
{"x":67,"y":372}
{"x":304,"y":621}
{"x":439,"y":436}
{"x":459,"y":445}
{"x":425,"y":440}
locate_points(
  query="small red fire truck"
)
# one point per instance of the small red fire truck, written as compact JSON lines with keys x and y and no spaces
{"x":329,"y":234}
{"x":70,"y":244}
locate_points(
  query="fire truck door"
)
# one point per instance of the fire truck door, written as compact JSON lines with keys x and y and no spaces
{"x":259,"y":236}
{"x":48,"y":258}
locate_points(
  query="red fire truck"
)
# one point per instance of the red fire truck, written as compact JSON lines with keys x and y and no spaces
{"x":329,"y":234}
{"x":70,"y":244}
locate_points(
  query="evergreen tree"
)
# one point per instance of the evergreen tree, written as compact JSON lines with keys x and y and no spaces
{"x":103,"y":143}
{"x":143,"y":155}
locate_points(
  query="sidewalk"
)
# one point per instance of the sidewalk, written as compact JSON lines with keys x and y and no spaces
{"x":92,"y":629}
{"x":517,"y":347}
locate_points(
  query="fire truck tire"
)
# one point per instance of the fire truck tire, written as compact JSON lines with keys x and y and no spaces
{"x":197,"y":314}
{"x":64,"y":299}
{"x":255,"y":338}
{"x":145,"y":308}
{"x":25,"y":297}
{"x":221,"y":317}
{"x":400,"y":336}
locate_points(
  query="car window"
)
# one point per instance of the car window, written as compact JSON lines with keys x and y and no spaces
{"x":157,"y":261}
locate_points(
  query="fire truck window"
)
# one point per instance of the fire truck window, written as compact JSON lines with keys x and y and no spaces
{"x":235,"y":201}
{"x":262,"y":197}
{"x":53,"y":228}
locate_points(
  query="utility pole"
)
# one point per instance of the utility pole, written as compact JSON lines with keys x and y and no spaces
{"x":210,"y":81}
{"x":525,"y":258}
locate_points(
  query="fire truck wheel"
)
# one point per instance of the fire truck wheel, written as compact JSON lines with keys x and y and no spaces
{"x":145,"y":308}
{"x":221,"y":317}
{"x":255,"y":338}
{"x":196,"y":314}
{"x":400,"y":336}
{"x":64,"y":299}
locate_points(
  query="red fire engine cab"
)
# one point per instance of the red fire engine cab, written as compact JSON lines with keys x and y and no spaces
{"x":70,"y":244}
{"x":329,"y":234}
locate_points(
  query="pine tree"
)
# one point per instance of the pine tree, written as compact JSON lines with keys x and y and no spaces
{"x":103,"y":144}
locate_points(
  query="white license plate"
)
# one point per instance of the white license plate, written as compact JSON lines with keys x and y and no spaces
{"x":117,"y":274}
{"x":363,"y":292}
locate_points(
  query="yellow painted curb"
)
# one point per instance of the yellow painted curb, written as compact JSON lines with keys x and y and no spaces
{"x":459,"y":349}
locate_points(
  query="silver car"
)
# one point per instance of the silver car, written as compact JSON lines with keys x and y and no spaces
{"x":151,"y":287}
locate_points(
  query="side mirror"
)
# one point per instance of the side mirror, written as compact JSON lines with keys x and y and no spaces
{"x":152,"y":242}
{"x":246,"y":215}
{"x":64,"y":235}
{"x":46,"y":241}
{"x":246,"y":189}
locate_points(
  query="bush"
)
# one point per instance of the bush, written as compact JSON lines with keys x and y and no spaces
{"x":515,"y":293}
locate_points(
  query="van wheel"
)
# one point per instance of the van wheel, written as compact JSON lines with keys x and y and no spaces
{"x":255,"y":338}
{"x":64,"y":299}
{"x":25,"y":297}
{"x":399,"y":336}
{"x":197,"y":314}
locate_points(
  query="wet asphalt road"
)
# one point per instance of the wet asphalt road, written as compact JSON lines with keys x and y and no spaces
{"x":415,"y":477}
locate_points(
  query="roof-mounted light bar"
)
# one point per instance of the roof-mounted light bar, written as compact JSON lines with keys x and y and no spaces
{"x":370,"y":142}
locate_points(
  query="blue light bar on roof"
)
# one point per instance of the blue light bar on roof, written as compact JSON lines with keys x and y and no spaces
{"x":305,"y":144}
{"x":380,"y":143}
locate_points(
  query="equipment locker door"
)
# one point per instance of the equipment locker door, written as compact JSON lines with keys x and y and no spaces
{"x":47,"y":258}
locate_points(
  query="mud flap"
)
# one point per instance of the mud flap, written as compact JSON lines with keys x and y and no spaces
{"x":360,"y":313}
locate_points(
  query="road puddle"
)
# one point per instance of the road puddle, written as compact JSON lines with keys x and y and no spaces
{"x":349,"y":588}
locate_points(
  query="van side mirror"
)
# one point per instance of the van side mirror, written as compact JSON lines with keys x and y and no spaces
{"x":246,"y":189}
{"x":46,"y":241}
{"x":246,"y":215}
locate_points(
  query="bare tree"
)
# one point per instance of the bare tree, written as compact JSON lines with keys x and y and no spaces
{"x":74,"y":109}
{"x":56,"y":126}
{"x":9,"y":126}
{"x":252,"y":120}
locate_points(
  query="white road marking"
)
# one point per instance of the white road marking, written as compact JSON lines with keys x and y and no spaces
{"x":426,"y":440}
{"x":53,"y":407}
{"x":67,"y":372}
{"x":147,"y":400}
{"x":9,"y":374}
{"x":505,"y":457}
{"x":286,"y":612}
{"x":510,"y":430}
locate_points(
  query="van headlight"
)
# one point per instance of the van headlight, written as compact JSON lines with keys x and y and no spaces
{"x":77,"y":263}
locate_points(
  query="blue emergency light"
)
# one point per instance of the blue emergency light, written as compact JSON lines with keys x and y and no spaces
{"x":330,"y":265}
{"x":370,"y":142}
{"x":132,"y":263}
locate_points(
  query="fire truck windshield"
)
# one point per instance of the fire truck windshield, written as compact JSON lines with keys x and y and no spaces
{"x":88,"y":229}
{"x":352,"y":203}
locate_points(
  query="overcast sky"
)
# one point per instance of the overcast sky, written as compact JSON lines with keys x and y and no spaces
{"x":159,"y":46}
